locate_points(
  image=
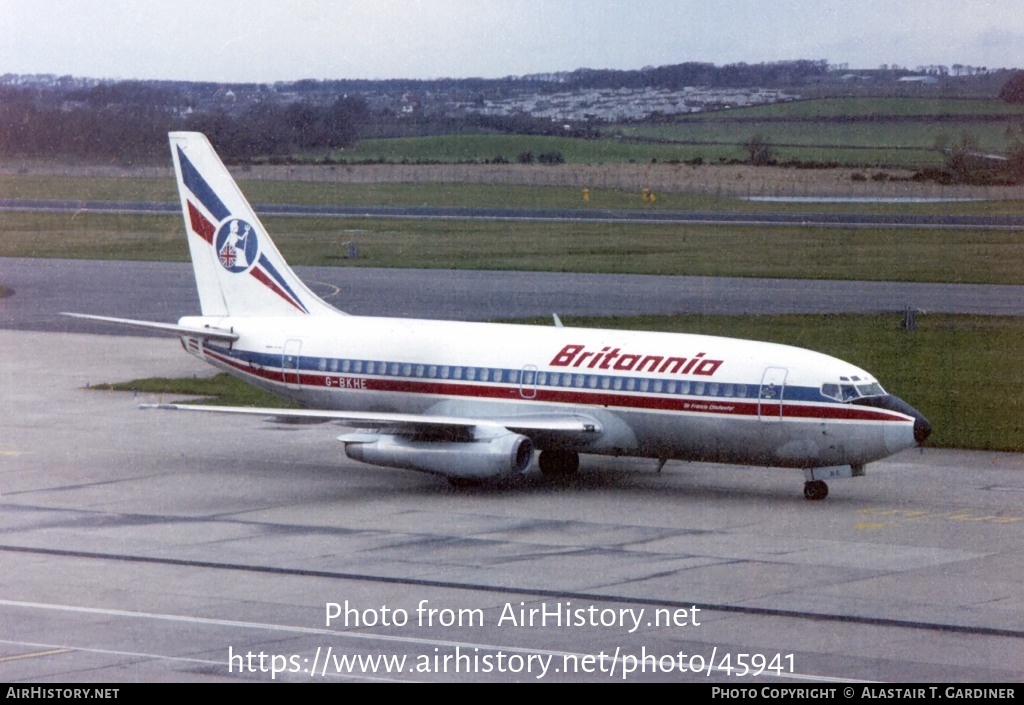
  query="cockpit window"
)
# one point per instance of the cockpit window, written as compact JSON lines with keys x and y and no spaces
{"x":846,"y":391}
{"x":871,"y":390}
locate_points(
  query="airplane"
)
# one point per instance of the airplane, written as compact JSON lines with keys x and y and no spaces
{"x":474,"y":401}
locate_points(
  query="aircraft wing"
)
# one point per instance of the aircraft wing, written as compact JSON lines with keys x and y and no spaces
{"x":566,"y":426}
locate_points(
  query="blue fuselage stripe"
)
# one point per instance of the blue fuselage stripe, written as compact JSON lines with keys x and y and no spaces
{"x":198,"y":186}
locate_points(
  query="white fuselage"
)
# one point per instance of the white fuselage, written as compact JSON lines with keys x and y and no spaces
{"x":659,"y":395}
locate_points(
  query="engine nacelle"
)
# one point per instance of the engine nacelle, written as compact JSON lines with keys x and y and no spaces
{"x":478,"y":459}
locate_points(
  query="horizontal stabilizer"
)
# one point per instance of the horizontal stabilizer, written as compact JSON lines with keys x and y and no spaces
{"x":169,"y":328}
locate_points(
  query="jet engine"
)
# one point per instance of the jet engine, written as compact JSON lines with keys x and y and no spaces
{"x":472,"y":459}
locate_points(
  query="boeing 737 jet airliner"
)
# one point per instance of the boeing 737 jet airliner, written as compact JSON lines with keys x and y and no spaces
{"x":470,"y":401}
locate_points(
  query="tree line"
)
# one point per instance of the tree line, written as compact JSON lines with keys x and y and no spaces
{"x":778,"y":74}
{"x":104,"y":126}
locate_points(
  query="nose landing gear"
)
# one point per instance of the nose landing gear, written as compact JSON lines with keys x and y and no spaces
{"x":815,"y":490}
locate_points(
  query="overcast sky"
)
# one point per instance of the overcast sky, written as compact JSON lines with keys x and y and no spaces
{"x":273,"y":40}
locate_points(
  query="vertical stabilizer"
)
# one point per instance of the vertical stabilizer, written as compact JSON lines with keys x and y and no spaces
{"x":239,"y":271}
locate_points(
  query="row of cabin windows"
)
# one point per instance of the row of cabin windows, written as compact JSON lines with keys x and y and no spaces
{"x":848,"y":390}
{"x":534,"y":378}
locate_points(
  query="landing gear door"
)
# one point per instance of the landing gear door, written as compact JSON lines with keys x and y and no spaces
{"x":290,"y":363}
{"x":769,"y":398}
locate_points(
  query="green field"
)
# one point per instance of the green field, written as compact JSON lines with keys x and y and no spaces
{"x":982,"y":257}
{"x":902,"y":147}
{"x":890,"y":107}
{"x":894,"y":132}
{"x":363,"y":194}
{"x":494,"y":195}
{"x":481,"y":149}
{"x":868,"y":132}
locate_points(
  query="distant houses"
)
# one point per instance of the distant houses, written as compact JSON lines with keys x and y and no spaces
{"x":614,"y":105}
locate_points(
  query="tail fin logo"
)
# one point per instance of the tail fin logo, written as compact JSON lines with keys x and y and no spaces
{"x":212,"y":205}
{"x":237,"y":245}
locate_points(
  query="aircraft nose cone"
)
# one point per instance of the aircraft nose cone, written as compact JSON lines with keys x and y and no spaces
{"x":922,"y":426}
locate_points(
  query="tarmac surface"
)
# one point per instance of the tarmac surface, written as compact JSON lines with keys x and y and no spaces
{"x":165,"y":291}
{"x":152,"y":546}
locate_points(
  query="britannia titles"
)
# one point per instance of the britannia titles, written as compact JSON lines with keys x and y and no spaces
{"x":609,"y":358}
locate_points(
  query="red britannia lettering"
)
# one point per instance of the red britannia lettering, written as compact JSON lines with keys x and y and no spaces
{"x":566,"y":356}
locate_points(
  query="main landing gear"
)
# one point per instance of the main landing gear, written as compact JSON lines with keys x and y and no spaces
{"x":559,"y":463}
{"x":815,"y":490}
